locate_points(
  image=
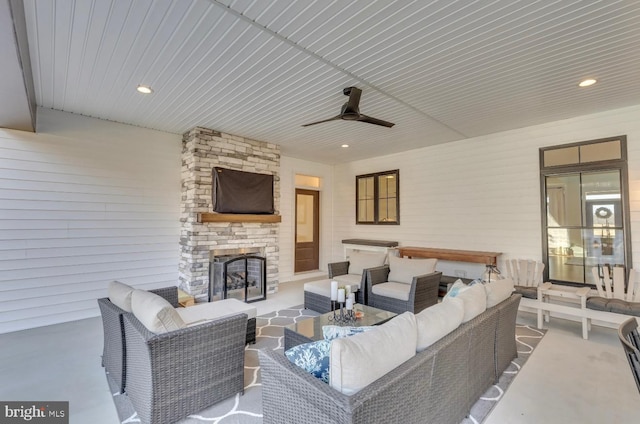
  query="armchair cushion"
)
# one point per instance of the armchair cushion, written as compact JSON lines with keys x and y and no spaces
{"x":350,"y":279}
{"x":498,"y":290}
{"x":437,"y":321}
{"x":359,"y":261}
{"x":155,"y":313}
{"x":473,"y":296}
{"x":214,"y":310}
{"x":120,"y":295}
{"x":402,"y":270}
{"x":359,"y":360}
{"x":312,"y":357}
{"x":393,"y":290}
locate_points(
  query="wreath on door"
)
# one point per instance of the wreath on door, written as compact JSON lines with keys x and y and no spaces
{"x":603,"y":213}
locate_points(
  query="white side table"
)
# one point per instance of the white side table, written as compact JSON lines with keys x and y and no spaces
{"x":575,"y":295}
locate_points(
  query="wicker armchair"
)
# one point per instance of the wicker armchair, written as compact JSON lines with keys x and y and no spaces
{"x":178,"y":373}
{"x":422,"y":293}
{"x":114,"y":351}
{"x":339,"y":271}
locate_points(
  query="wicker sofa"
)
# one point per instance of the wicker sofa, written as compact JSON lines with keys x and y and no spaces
{"x":438,"y":385}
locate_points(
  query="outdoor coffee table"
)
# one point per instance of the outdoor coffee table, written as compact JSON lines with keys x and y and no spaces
{"x":310,"y":329}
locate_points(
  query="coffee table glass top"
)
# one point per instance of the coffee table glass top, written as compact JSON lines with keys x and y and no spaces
{"x":311,"y":328}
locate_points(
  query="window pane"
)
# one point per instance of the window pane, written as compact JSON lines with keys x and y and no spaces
{"x":566,"y":255}
{"x":387,"y":210}
{"x":365,"y":210}
{"x":365,"y":188}
{"x":304,"y":218}
{"x":564,"y":156}
{"x":563,"y":201}
{"x":600,"y":151}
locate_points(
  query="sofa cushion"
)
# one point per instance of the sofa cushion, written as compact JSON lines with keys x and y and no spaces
{"x":498,"y":290}
{"x":214,"y":310}
{"x":402,"y":270}
{"x":359,"y":261}
{"x":437,"y":321}
{"x":312,"y":357}
{"x":473,"y":296}
{"x":120,"y":295}
{"x":392,"y":289}
{"x":330,"y":332}
{"x":359,"y":360}
{"x":155,"y":313}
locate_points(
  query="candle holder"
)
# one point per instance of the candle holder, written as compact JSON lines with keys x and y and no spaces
{"x":344,"y":316}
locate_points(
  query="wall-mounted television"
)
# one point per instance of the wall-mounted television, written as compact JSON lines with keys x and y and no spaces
{"x":236,"y":191}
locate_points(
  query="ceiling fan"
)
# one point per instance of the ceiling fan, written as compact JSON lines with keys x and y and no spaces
{"x":350,"y":111}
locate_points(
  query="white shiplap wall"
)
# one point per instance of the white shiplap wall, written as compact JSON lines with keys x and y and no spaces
{"x":289,"y":167}
{"x":83,"y":202}
{"x":481,"y":193}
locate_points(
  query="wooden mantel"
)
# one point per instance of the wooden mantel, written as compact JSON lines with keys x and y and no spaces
{"x":473,"y":256}
{"x":238,"y":217}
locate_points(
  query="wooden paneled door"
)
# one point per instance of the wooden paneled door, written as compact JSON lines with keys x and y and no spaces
{"x":307,"y":230}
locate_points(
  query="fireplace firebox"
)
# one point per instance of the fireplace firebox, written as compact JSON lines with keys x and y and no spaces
{"x":239,"y":274}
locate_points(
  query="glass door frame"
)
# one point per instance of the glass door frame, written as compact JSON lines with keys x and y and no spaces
{"x":619,"y":165}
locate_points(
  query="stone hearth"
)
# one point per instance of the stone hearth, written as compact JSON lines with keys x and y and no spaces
{"x":202,"y":149}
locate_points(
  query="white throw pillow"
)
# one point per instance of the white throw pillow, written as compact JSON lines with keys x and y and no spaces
{"x":437,"y":321}
{"x":120,"y":295}
{"x":359,"y":261}
{"x":155,"y":313}
{"x":402,"y":270}
{"x":473,"y":296}
{"x":498,"y":290}
{"x":361,"y":359}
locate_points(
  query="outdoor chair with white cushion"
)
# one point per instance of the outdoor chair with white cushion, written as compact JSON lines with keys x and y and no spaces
{"x":118,"y":303}
{"x":317,"y":294}
{"x":403,"y":285}
{"x":175,"y":368}
{"x":112,"y":309}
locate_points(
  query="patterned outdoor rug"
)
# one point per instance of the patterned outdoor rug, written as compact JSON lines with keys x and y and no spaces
{"x":248,"y":408}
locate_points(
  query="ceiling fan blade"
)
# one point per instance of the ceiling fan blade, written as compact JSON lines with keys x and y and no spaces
{"x":354,"y":100}
{"x":326,"y":120}
{"x":370,"y":120}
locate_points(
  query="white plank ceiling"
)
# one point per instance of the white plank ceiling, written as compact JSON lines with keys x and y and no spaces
{"x":441,"y":70}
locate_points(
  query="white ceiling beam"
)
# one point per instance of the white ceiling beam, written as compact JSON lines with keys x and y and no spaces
{"x":18,"y":106}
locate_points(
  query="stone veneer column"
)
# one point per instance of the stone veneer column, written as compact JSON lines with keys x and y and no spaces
{"x":202,"y":149}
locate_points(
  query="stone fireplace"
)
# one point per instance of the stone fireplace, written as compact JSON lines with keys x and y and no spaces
{"x":202,"y":149}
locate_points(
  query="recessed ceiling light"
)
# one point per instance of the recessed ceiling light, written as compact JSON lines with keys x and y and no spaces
{"x":587,"y":82}
{"x":345,"y":145}
{"x":144,"y":89}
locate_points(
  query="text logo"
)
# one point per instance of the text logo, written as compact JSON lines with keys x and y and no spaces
{"x":34,"y":412}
